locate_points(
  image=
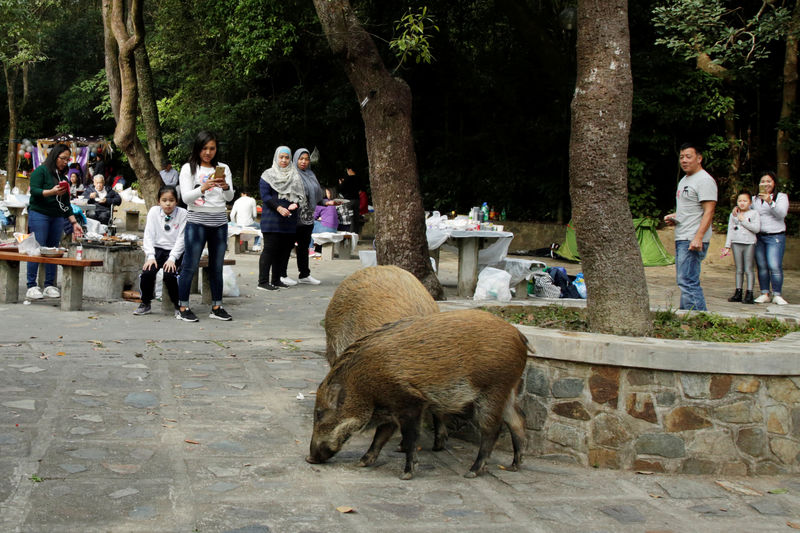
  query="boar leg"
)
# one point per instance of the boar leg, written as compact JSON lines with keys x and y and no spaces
{"x":410,"y":427}
{"x":488,"y":440}
{"x":515,"y":421}
{"x":382,"y":435}
{"x":439,"y":432}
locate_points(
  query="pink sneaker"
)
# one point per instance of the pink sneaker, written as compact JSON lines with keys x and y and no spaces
{"x":310,"y":252}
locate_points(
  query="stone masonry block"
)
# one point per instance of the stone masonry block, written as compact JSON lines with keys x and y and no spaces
{"x":536,"y":382}
{"x":752,"y":441}
{"x":567,"y":387}
{"x":778,"y":419}
{"x":787,"y":450}
{"x":748,"y":385}
{"x":604,"y":385}
{"x":661,"y":444}
{"x":535,"y":413}
{"x":696,"y":385}
{"x":738,"y":413}
{"x":574,"y":410}
{"x":720,"y":385}
{"x":686,"y":419}
{"x":640,"y":405}
{"x":567,"y":436}
{"x":783,"y":390}
{"x":609,"y":430}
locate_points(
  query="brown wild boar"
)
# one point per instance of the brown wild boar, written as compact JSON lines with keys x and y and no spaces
{"x":370,"y":298}
{"x":445,"y":362}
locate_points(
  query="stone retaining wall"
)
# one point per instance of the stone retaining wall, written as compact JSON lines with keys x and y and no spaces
{"x":616,"y":404}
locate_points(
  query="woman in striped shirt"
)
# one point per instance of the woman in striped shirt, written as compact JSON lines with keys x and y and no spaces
{"x":206,"y":186}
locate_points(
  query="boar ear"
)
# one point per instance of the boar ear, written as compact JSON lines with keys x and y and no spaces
{"x":335,"y":395}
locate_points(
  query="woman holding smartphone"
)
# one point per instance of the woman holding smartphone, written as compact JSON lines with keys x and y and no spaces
{"x":49,"y":206}
{"x":772,"y":207}
{"x":206,"y":186}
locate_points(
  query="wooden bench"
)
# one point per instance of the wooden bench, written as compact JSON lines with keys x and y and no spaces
{"x":71,"y":284}
{"x":166,"y":303}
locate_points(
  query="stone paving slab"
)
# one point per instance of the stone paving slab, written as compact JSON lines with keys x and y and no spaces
{"x":110,"y":422}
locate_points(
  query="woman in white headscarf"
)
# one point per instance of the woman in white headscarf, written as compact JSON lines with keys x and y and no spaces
{"x":281,"y":194}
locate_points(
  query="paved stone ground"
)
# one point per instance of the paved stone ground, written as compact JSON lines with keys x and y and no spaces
{"x":112,"y":422}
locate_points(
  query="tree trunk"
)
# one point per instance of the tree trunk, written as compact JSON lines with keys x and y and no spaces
{"x":386,"y":111}
{"x":734,"y":157}
{"x":601,"y":117}
{"x":125,"y":133}
{"x":789,"y":96}
{"x":11,"y":159}
{"x":111,"y":61}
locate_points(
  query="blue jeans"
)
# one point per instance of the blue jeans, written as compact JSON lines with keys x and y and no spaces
{"x":48,"y":232}
{"x":320,"y":228}
{"x":687,"y":274}
{"x":769,"y":258}
{"x":195,"y":238}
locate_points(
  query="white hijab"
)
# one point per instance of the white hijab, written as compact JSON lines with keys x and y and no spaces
{"x":285,"y":180}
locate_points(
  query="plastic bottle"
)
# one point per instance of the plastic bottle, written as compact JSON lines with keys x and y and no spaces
{"x":503,"y":214}
{"x":485,"y":212}
{"x":79,"y":252}
{"x":7,"y":191}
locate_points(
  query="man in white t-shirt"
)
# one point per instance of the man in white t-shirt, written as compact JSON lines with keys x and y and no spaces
{"x":696,"y":200}
{"x":244,"y":213}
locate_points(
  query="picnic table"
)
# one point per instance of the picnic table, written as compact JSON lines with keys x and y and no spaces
{"x":71,"y":284}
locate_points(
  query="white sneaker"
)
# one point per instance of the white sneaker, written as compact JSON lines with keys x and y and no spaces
{"x":289,"y":281}
{"x":310,"y":280}
{"x":52,"y":292}
{"x":34,"y":293}
{"x":764,"y":298}
{"x":776,"y":299}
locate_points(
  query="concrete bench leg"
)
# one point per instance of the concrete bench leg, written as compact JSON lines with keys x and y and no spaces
{"x":521,"y":290}
{"x":327,"y":251}
{"x":9,"y":282}
{"x":467,"y":266}
{"x":72,"y":289}
{"x":343,"y":249}
{"x":167,"y":305}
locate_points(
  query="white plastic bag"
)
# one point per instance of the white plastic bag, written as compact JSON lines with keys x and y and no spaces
{"x":229,"y":285}
{"x":493,"y":284}
{"x":27,"y":244}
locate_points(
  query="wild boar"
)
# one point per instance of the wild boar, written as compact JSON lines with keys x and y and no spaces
{"x":446,"y":362}
{"x":369,"y":298}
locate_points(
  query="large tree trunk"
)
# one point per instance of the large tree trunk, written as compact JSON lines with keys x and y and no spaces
{"x":111,"y":61}
{"x":386,"y":111}
{"x":125,"y":133}
{"x":601,"y":117}
{"x":789,"y":95}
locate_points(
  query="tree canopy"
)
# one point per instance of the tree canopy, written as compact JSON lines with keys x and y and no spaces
{"x":491,"y":112}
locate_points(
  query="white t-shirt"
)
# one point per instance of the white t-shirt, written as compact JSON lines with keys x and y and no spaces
{"x":692,"y":191}
{"x":244,"y":211}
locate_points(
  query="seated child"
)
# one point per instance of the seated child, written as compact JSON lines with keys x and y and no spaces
{"x":325,"y":220}
{"x":163,"y":247}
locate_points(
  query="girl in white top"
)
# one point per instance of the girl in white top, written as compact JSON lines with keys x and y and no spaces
{"x":772,"y":207}
{"x":163,"y":247}
{"x":206,"y":187}
{"x":743,"y":226}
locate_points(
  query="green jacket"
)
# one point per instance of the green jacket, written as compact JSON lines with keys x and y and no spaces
{"x":41,"y":180}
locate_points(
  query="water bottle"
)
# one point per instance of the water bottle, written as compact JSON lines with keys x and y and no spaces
{"x":79,"y":252}
{"x":7,"y":191}
{"x":485,"y":212}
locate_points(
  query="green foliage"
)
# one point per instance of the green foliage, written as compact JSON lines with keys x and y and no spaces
{"x":734,"y":37}
{"x":641,"y":193}
{"x":413,"y":41}
{"x":85,"y":97}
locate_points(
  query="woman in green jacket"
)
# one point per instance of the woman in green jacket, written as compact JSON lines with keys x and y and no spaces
{"x":49,"y":206}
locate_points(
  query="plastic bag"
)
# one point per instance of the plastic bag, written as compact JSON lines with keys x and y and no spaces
{"x":493,"y":284}
{"x":27,"y":244}
{"x":580,"y":284}
{"x":229,"y":285}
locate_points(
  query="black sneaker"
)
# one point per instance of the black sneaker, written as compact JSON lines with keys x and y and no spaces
{"x":280,"y":284}
{"x":186,"y":316}
{"x":220,"y":314}
{"x":143,"y":309}
{"x":267,"y":287}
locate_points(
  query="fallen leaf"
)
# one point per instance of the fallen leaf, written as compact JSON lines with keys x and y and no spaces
{"x":501,"y":467}
{"x":190,"y":441}
{"x":738,"y":488}
{"x":778,"y":491}
{"x":298,"y":340}
{"x":793,"y":525}
{"x":60,"y":353}
{"x":345,"y":509}
{"x":645,"y":472}
{"x":656,"y":496}
{"x":169,"y":420}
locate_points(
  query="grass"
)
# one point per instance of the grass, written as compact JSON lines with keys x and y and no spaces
{"x":666,"y":324}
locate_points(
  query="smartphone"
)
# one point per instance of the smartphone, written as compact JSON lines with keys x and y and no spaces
{"x":64,"y":185}
{"x":762,"y":188}
{"x":219,"y":173}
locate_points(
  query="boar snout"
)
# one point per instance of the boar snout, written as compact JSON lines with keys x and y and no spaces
{"x":319,"y":453}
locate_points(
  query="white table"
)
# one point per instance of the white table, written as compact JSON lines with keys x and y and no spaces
{"x":470,"y":254}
